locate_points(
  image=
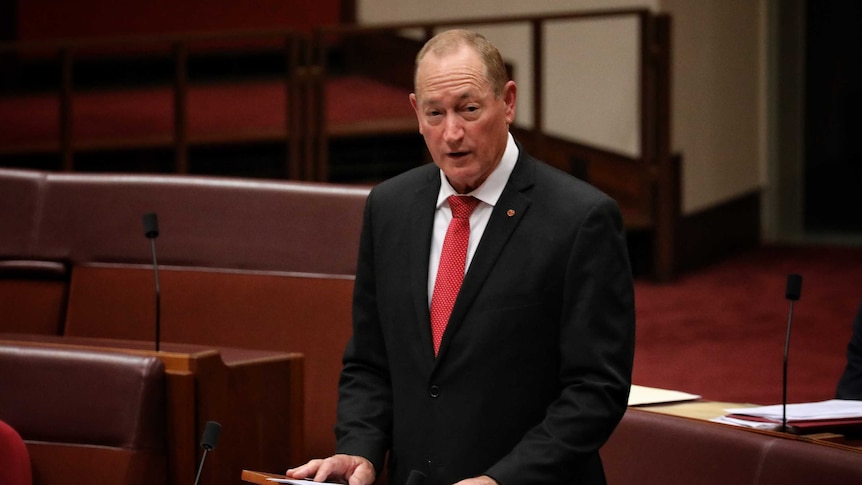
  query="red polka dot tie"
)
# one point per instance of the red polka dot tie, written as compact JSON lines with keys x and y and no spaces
{"x":453,"y":259}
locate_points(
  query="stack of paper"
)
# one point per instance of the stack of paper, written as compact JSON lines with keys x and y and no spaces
{"x":641,"y":395}
{"x":832,"y":415}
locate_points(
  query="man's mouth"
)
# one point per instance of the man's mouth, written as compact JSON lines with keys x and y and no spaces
{"x":458,"y":154}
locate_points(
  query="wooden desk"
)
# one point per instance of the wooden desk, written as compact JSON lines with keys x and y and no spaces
{"x":260,"y":478}
{"x":256,"y":395}
{"x":676,"y":444}
{"x":708,"y":410}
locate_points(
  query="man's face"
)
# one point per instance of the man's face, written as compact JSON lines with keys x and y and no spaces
{"x":464,"y":124}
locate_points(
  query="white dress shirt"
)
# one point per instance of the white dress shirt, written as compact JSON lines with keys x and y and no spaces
{"x":488,"y":194}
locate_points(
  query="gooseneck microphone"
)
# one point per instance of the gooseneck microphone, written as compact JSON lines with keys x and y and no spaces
{"x":208,"y":443}
{"x":151,"y":231}
{"x":792,"y":293}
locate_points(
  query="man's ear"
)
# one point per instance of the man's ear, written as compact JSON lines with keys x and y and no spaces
{"x":415,"y":104}
{"x":510,"y":96}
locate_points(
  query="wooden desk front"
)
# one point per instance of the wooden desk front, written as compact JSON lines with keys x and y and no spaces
{"x":676,"y":444}
{"x":708,"y":410}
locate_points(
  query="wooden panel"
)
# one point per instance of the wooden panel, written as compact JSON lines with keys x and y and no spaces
{"x":70,"y":464}
{"x":625,"y":179}
{"x":254,"y":310}
{"x":32,"y":306}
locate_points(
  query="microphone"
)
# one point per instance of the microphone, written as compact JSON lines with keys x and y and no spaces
{"x":208,"y":442}
{"x":415,"y":478}
{"x":792,"y":292}
{"x":151,"y":231}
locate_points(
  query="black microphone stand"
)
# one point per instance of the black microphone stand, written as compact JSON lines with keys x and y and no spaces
{"x":158,"y":294}
{"x":151,"y":231}
{"x":208,"y":442}
{"x":794,"y":288}
{"x":784,"y":375}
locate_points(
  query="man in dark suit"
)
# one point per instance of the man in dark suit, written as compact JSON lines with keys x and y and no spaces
{"x":528,"y":376}
{"x":850,"y":384}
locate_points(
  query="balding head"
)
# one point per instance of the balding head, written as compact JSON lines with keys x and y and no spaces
{"x":450,"y":41}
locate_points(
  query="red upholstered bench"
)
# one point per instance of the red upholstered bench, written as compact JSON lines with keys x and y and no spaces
{"x":653,"y":448}
{"x":86,"y":416}
{"x":32,"y":289}
{"x":257,"y":264}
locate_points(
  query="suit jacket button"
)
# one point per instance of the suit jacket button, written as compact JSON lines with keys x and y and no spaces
{"x":434,"y":391}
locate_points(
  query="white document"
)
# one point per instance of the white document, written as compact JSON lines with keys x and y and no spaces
{"x":747,"y":423}
{"x":831,"y":409}
{"x":641,"y":395}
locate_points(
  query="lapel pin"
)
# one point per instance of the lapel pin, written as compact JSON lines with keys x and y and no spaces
{"x":510,"y":212}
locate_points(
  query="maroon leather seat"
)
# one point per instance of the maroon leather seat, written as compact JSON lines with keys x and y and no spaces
{"x":20,"y":199}
{"x":86,"y":416}
{"x":32,"y":289}
{"x":208,"y":222}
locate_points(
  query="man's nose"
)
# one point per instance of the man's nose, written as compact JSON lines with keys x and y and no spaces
{"x":453,"y":130}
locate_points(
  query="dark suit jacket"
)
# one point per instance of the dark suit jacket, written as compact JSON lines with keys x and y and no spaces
{"x":850,"y":384}
{"x":535,"y":365}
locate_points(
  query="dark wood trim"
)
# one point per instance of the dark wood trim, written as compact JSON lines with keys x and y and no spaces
{"x":293,"y":108}
{"x":715,"y":233}
{"x":181,"y":118}
{"x":66,"y":86}
{"x":317,"y":162}
{"x":538,"y":42}
{"x":474,"y":21}
{"x":392,"y":61}
{"x":668,"y":178}
{"x":347,"y":12}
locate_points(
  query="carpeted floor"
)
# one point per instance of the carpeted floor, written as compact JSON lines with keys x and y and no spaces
{"x":720,"y":332}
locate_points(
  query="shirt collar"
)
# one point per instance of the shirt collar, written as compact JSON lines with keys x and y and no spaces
{"x":492,"y":188}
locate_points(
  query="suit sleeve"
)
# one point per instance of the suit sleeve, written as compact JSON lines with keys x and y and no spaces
{"x":364,"y":419}
{"x":597,"y":329}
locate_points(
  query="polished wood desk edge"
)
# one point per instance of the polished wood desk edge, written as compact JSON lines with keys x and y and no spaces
{"x":174,"y":361}
{"x":273,"y":356}
{"x":259,"y":477}
{"x":704,"y":411}
{"x":176,"y":357}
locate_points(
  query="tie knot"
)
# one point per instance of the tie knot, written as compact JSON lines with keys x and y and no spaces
{"x":462,"y":206}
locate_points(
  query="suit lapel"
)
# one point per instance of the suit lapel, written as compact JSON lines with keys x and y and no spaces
{"x":506,"y":216}
{"x":422,"y":212}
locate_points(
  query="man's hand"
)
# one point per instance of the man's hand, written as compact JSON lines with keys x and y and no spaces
{"x":481,"y":480}
{"x":353,"y":470}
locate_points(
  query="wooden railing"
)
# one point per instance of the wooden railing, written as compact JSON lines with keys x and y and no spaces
{"x":646,"y":185}
{"x":294,"y":47}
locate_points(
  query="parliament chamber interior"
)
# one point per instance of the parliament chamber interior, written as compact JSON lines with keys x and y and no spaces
{"x":255,"y":130}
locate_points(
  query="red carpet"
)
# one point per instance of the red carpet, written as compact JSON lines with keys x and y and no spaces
{"x":719,"y":332}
